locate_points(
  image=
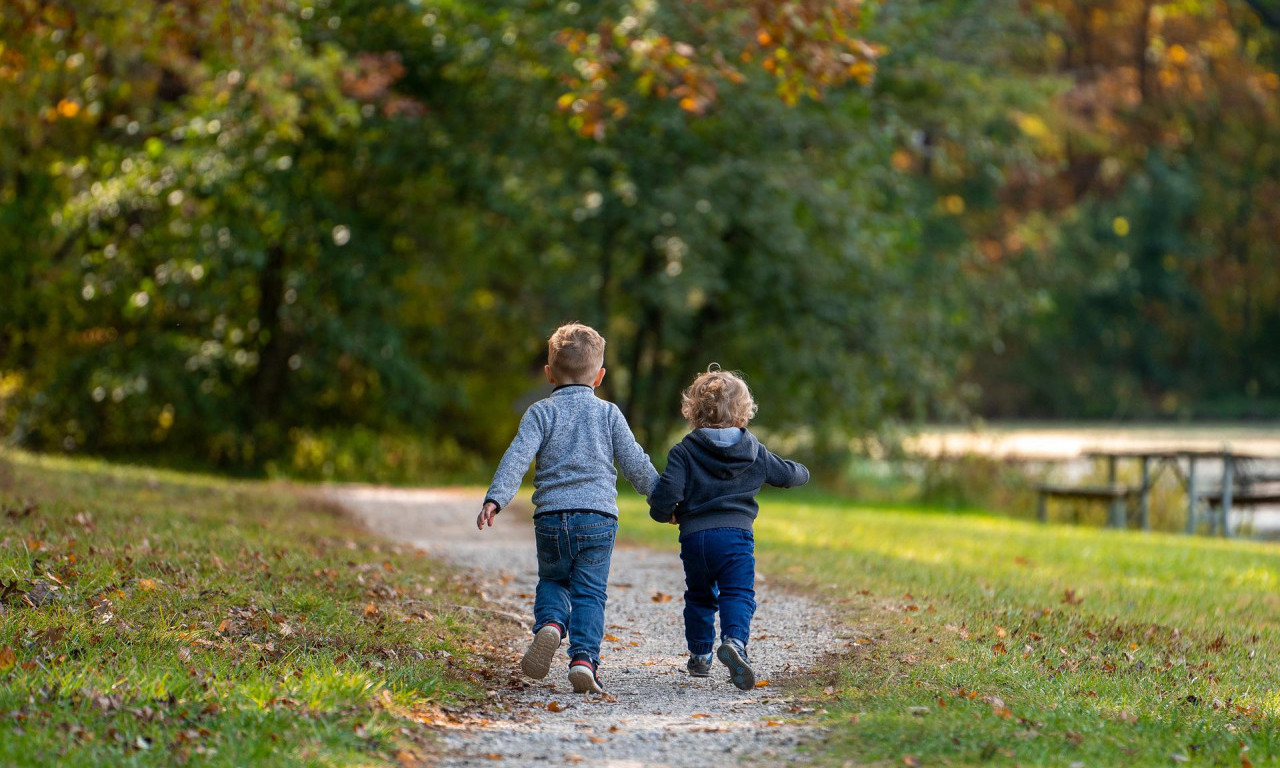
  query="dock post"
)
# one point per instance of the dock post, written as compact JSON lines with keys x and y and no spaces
{"x":1191,"y":496}
{"x":1144,"y":499}
{"x":1115,"y":513}
{"x":1227,"y":478}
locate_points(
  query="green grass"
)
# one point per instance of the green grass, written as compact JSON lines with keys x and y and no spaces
{"x":171,"y":618}
{"x":977,"y":640}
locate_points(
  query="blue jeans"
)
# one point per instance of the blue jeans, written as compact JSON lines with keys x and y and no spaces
{"x":574,"y":550}
{"x":719,"y":574}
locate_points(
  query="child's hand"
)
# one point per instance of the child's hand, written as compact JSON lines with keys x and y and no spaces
{"x":487,"y":513}
{"x":672,"y":521}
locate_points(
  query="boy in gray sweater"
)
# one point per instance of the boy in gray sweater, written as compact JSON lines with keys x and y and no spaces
{"x":576,"y":437}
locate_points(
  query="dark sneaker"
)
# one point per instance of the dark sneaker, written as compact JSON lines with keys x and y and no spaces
{"x":582,"y":676}
{"x":699,"y":665}
{"x":537,"y":660}
{"x":734,"y":656}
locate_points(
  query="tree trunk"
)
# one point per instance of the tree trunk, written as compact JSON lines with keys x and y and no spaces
{"x":273,"y":358}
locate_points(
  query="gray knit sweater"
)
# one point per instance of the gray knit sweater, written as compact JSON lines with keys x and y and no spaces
{"x":576,"y":437}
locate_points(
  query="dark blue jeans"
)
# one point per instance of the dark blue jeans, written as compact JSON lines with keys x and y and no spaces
{"x":574,"y":550}
{"x":719,"y":574}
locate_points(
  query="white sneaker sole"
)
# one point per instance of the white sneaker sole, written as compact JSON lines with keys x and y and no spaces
{"x":537,"y":660}
{"x":583,"y":681}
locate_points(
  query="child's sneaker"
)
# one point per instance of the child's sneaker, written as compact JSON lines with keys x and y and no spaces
{"x":734,"y":655}
{"x":537,"y":660}
{"x":699,"y":665}
{"x":582,"y":676}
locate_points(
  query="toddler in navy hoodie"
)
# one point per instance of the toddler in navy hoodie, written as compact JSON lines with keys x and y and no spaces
{"x":709,"y":489}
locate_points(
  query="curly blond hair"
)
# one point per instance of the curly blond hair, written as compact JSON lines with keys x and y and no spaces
{"x":717,"y":399}
{"x":575,"y":353}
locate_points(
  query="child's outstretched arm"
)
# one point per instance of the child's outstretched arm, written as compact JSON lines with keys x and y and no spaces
{"x":631,"y":458}
{"x":515,"y":462}
{"x":669,"y":491}
{"x":783,"y":473}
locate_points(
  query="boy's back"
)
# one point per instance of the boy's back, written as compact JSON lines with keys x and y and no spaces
{"x":713,"y":476}
{"x":575,"y":437}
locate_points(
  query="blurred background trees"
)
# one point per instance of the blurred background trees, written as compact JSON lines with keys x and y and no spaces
{"x":330,"y":237}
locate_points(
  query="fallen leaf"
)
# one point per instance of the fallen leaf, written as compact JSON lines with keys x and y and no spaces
{"x":911,"y":760}
{"x":1001,"y":632}
{"x":661,"y":597}
{"x":147,"y":585}
{"x":596,"y":739}
{"x":7,"y":658}
{"x":699,"y":714}
{"x":406,"y":758}
{"x":555,"y":706}
{"x":1245,"y":762}
{"x":1069,"y":597}
{"x":613,"y":638}
{"x":371,"y":610}
{"x":762,"y":683}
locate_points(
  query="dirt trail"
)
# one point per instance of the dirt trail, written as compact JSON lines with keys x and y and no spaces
{"x":653,"y":713}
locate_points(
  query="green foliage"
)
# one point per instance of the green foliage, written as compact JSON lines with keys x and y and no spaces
{"x":255,"y":225}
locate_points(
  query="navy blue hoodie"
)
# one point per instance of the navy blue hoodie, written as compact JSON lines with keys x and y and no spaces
{"x":708,"y":484}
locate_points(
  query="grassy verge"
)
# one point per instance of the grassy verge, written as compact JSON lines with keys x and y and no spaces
{"x":153,"y":618}
{"x":975,"y":640}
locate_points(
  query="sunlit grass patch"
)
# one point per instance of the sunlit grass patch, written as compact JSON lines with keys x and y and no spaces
{"x":157,"y":618}
{"x":982,"y":640}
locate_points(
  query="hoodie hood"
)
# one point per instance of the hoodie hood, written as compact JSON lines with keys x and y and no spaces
{"x":719,"y":460}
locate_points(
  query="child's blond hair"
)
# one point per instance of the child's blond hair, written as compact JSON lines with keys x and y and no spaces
{"x":575,"y":353}
{"x":717,"y":399}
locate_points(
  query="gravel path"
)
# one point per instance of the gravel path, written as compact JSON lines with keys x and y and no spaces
{"x":653,"y":714}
